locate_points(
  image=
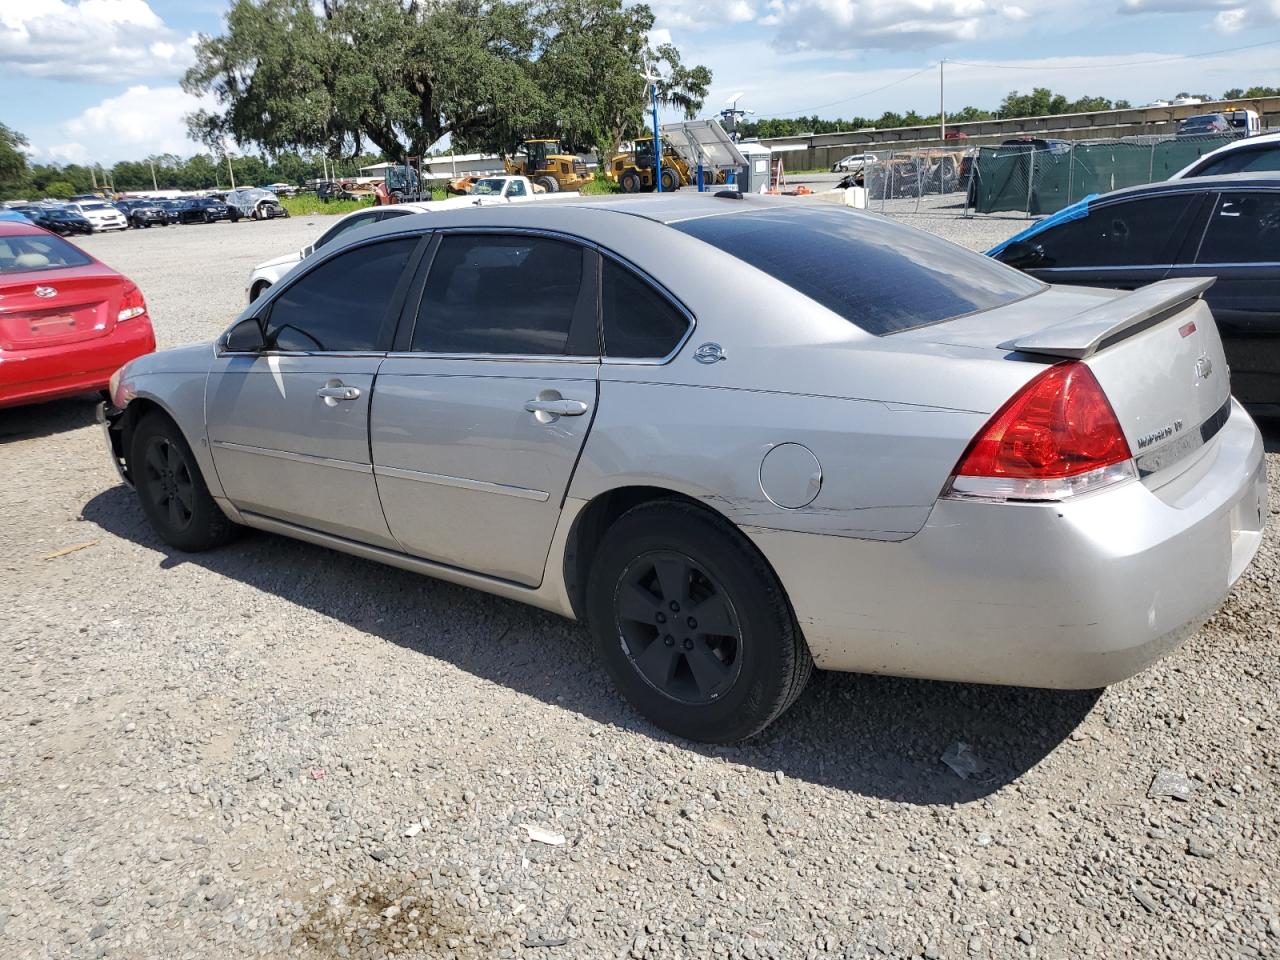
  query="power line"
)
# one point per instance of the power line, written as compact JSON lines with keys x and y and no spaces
{"x":858,"y":96}
{"x":1107,"y":66}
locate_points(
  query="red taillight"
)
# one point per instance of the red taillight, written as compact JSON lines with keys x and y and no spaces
{"x":1056,"y":437}
{"x":131,"y":304}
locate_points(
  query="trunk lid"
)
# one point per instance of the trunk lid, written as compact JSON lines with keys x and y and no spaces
{"x":83,"y":305}
{"x":1155,"y":351}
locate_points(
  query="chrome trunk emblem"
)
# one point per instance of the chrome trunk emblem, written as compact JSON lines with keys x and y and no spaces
{"x":1204,"y":367}
{"x":709,"y":353}
{"x":46,"y":292}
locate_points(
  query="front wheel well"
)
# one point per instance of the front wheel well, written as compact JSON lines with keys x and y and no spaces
{"x":258,"y":289}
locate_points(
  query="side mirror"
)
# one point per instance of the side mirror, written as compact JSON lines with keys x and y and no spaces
{"x":307,"y":251}
{"x":1023,"y":254}
{"x":244,"y":337}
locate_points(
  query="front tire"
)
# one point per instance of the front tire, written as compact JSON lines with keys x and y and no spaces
{"x":670,"y":182}
{"x":630,"y":182}
{"x":692,"y":625}
{"x":171,"y":488}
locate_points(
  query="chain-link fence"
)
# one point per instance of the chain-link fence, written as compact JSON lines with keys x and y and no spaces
{"x":1034,"y":177}
{"x":1039,"y":177}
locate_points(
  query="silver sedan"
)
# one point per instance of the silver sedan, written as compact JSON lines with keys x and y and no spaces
{"x":737,"y":436}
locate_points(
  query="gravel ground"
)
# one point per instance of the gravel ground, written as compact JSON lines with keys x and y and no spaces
{"x":277,"y":751}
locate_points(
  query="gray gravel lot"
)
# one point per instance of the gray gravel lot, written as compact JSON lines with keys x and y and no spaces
{"x":277,"y":751}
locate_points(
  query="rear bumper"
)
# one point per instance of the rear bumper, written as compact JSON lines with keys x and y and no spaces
{"x":1068,"y":595}
{"x":32,"y":376}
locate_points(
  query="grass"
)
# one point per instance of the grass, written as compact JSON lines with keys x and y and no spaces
{"x":599,"y":184}
{"x":308,"y":204}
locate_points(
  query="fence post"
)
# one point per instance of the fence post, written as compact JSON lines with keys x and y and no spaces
{"x":1031,"y":179}
{"x":1071,"y":172}
{"x":1151,"y":162}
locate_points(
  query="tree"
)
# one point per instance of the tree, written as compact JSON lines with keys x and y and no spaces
{"x":401,"y":74}
{"x":60,"y":190}
{"x":13,"y":162}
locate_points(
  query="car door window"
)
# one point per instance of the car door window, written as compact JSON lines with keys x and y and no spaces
{"x":639,"y":322}
{"x":515,"y":189}
{"x":1129,"y":233}
{"x":345,"y":226}
{"x":1244,"y":228}
{"x":489,"y":294}
{"x":343,"y":304}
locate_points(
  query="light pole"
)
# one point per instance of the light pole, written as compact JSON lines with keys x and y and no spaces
{"x":154,"y":186}
{"x":942,"y":99}
{"x":657,"y":139}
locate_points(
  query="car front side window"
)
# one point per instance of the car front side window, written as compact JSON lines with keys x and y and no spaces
{"x":514,"y":295}
{"x":343,"y":305}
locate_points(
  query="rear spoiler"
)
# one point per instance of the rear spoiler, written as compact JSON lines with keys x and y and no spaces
{"x":1086,"y":333}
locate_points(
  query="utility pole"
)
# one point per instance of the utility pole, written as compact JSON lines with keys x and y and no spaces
{"x":154,"y":186}
{"x":657,"y":140}
{"x":942,"y":97}
{"x":231,"y":173}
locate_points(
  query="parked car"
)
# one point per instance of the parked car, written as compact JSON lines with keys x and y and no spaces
{"x":13,"y":215}
{"x":854,"y":163}
{"x":170,"y":209}
{"x":1204,"y":125}
{"x":1249,"y":155}
{"x":57,"y":219}
{"x":67,"y":321}
{"x":1017,"y":146}
{"x":270,"y":271}
{"x":202,"y":210}
{"x":144,"y":213}
{"x":1225,"y":227}
{"x":101,"y":215}
{"x":254,"y":203}
{"x":676,"y":418}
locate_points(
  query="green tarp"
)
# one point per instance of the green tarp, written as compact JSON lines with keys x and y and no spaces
{"x":1042,"y":181}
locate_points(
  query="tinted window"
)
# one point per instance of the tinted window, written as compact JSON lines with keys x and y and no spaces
{"x":343,"y":303}
{"x":492,"y":294}
{"x":1242,"y":161}
{"x":1129,"y":233}
{"x":1244,"y":228}
{"x":351,"y":223}
{"x":638,"y":321}
{"x":880,"y":275}
{"x":515,"y":189}
{"x":22,"y":253}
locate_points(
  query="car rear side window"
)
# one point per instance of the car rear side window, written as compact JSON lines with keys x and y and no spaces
{"x":1258,"y":159}
{"x":1135,"y":232}
{"x":19,"y":254}
{"x":343,"y":304}
{"x":639,"y":322}
{"x":1244,"y":228}
{"x":879,"y":275}
{"x":490,"y":294}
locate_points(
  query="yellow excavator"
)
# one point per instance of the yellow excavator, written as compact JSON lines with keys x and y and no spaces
{"x":543,"y":163}
{"x":632,"y":169}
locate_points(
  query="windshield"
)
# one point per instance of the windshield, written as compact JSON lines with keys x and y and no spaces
{"x":95,"y":206}
{"x":880,"y":276}
{"x":20,"y":254}
{"x":489,"y":187}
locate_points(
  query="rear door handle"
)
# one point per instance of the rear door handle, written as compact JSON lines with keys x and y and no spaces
{"x":336,"y":391}
{"x":557,"y":408}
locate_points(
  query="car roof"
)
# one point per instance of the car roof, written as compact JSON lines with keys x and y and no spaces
{"x":1264,"y":180}
{"x":16,"y":228}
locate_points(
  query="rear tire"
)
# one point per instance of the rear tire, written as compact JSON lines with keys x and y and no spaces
{"x":670,"y":182}
{"x":661,"y":568}
{"x":550,"y":184}
{"x":630,"y":182}
{"x":171,"y":488}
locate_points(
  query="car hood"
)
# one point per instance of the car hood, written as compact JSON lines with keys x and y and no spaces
{"x":281,"y":261}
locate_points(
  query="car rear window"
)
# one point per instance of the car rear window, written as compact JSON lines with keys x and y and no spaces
{"x":880,"y":276}
{"x":24,"y":253}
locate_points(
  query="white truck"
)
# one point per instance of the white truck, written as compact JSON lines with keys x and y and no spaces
{"x":494,"y":190}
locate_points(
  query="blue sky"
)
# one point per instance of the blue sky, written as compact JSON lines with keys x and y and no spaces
{"x":97,"y":80}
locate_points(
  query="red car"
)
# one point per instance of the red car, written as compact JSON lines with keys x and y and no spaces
{"x":67,"y":321}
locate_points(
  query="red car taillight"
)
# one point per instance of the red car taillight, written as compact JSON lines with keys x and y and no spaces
{"x":131,"y":304}
{"x":1056,"y":437}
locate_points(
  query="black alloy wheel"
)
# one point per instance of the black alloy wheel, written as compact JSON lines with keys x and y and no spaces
{"x":692,"y":624}
{"x":168,"y":482}
{"x":679,"y":627}
{"x":171,"y":488}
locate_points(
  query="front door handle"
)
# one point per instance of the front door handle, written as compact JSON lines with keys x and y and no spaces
{"x":557,"y":408}
{"x":335,"y":391}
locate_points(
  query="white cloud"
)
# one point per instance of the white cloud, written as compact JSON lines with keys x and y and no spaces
{"x":1258,"y":15}
{"x":92,"y":40}
{"x":701,"y":14}
{"x":881,"y":24}
{"x":141,"y":121}
{"x":1232,"y":16}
